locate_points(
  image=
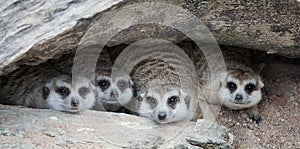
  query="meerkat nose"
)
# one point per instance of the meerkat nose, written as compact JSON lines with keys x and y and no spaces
{"x":114,"y":94}
{"x":238,"y":97}
{"x":162,"y":115}
{"x":74,"y":102}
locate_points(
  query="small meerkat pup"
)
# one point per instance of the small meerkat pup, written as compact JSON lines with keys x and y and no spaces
{"x":159,"y":90}
{"x":64,"y":94}
{"x":240,"y":87}
{"x":237,"y":87}
{"x":165,"y":103}
{"x":114,"y":91}
{"x":114,"y":88}
{"x":44,"y":87}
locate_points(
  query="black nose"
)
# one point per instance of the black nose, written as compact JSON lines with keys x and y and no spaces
{"x":162,"y":115}
{"x":74,"y":103}
{"x":238,"y":97}
{"x":114,"y":94}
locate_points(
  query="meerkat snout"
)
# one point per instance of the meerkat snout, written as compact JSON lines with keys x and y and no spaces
{"x":114,"y":93}
{"x":238,"y":97}
{"x":162,"y":116}
{"x":74,"y":102}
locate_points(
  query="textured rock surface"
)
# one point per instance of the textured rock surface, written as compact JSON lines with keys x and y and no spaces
{"x":41,"y":128}
{"x":59,"y":25}
{"x":34,"y":31}
{"x":268,"y":25}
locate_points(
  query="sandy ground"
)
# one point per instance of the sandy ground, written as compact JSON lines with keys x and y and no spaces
{"x":280,"y":112}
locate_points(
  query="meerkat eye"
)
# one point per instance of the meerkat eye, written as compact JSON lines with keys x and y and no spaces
{"x":172,"y":101}
{"x":104,"y":84}
{"x":249,"y":88}
{"x":231,"y":86}
{"x":122,"y":84}
{"x":83,"y":91}
{"x":63,"y":91}
{"x":151,"y":100}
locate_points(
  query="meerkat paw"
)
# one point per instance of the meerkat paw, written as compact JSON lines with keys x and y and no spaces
{"x":253,"y":114}
{"x":255,"y":118}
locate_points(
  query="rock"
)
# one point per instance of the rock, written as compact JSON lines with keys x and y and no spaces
{"x":43,"y":128}
{"x":268,"y":25}
{"x":215,"y":136}
{"x":34,"y":31}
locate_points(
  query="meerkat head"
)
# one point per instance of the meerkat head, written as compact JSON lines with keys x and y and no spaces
{"x":164,"y":104}
{"x":240,"y":89}
{"x":64,"y":95}
{"x":114,"y":89}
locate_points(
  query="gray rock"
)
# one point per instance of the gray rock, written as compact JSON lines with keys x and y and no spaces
{"x":268,"y":25}
{"x":215,"y":136}
{"x":42,"y":128}
{"x":34,"y":31}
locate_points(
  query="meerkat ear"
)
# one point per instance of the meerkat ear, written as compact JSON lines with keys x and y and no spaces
{"x":93,"y":88}
{"x":46,"y":90}
{"x":258,"y":69}
{"x":260,"y":83}
{"x":222,"y":78}
{"x":131,"y":83}
{"x":186,"y":97}
{"x":142,"y":95}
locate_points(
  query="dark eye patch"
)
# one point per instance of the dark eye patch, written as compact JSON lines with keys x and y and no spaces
{"x":103,"y":84}
{"x":172,"y":101}
{"x":231,"y":86}
{"x":63,"y":91}
{"x":152,"y":101}
{"x":83,"y":91}
{"x":122,"y":85}
{"x":250,"y":88}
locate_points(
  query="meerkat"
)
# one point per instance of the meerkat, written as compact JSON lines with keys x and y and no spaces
{"x":158,"y":88}
{"x":114,"y":88}
{"x":236,"y":87}
{"x":114,"y":91}
{"x":46,"y":88}
{"x":240,"y":86}
{"x":165,"y":81}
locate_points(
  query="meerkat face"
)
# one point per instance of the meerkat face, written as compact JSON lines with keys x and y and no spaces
{"x":240,"y":89}
{"x":115,"y":90}
{"x":164,"y":106}
{"x":62,"y":95}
